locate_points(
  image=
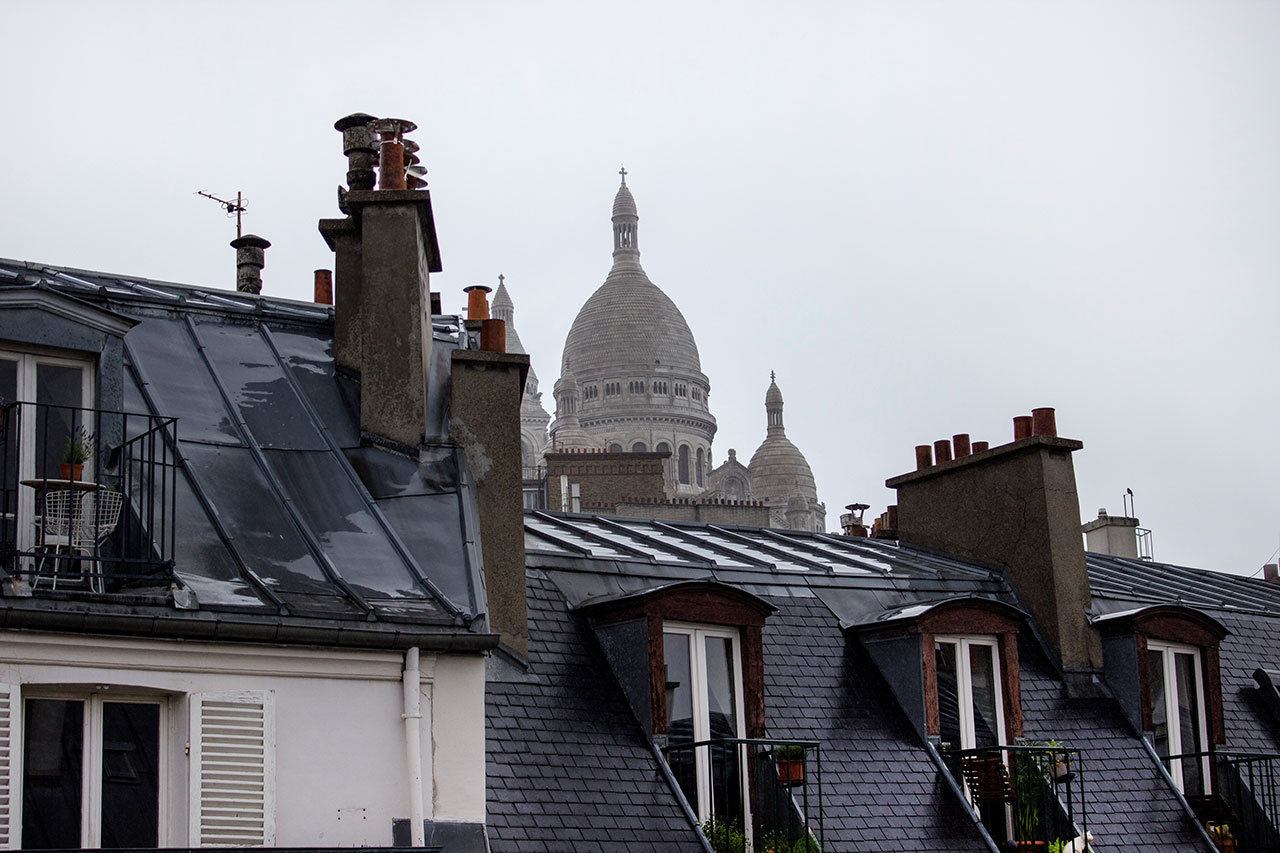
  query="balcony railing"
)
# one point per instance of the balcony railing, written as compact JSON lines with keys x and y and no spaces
{"x":87,"y":497}
{"x":1241,"y":808}
{"x":753,"y":796}
{"x":1028,"y":797}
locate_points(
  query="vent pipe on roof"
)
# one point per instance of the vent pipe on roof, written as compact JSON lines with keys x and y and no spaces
{"x":250,"y":259}
{"x":324,"y":287}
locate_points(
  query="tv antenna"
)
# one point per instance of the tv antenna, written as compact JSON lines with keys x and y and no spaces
{"x":231,"y":207}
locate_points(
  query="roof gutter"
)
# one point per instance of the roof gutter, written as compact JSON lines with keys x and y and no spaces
{"x":207,"y":626}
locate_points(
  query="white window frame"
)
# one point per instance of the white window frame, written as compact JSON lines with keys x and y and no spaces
{"x":91,"y":761}
{"x":28,"y":362}
{"x":964,"y":684}
{"x":1170,"y":673}
{"x":701,"y":717}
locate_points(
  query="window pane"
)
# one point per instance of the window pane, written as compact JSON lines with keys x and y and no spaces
{"x":60,"y":387}
{"x":53,"y":755}
{"x":683,"y":463}
{"x":948,"y":694}
{"x":679,"y":687}
{"x":130,"y":774}
{"x":722,"y":703}
{"x":1189,"y":722}
{"x":986,"y":723}
{"x":1159,"y":717}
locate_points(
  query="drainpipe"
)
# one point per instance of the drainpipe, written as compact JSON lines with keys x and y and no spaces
{"x":412,"y":717}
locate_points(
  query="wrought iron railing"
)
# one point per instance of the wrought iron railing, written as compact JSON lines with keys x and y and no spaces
{"x":753,"y":795}
{"x":87,"y":497}
{"x":1029,"y":797}
{"x":1240,"y":807}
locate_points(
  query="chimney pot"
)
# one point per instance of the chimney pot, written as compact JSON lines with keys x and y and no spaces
{"x":1043,"y":422}
{"x":979,"y":446}
{"x":477,"y":302}
{"x":961,"y":444}
{"x":324,"y":287}
{"x":1021,"y":427}
{"x":942,"y":450}
{"x":1271,"y":572}
{"x":493,"y":335}
{"x":391,"y":163}
{"x":924,"y":457}
{"x":892,"y":514}
{"x":250,"y":259}
{"x":360,"y":145}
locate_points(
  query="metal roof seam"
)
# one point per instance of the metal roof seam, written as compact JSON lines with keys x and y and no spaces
{"x":657,"y":543}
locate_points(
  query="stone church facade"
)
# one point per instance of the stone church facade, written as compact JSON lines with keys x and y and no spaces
{"x":631,"y":381}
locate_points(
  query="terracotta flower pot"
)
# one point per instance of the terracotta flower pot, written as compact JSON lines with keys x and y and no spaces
{"x":71,"y":471}
{"x":791,"y":771}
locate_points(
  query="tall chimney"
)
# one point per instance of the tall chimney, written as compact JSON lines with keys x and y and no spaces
{"x":484,"y":419}
{"x":250,"y":259}
{"x":1014,"y":506}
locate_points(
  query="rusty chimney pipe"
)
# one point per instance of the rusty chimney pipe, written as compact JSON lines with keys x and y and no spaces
{"x":960,"y":442}
{"x":324,"y":287}
{"x":477,"y":302}
{"x":391,"y":152}
{"x":493,"y":335}
{"x":1021,"y":427}
{"x":942,"y":450}
{"x":250,"y":259}
{"x":1271,"y":572}
{"x":979,"y":446}
{"x":1043,"y":422}
{"x":924,"y":457}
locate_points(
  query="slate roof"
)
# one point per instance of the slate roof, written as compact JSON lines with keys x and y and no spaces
{"x":282,"y":510}
{"x":881,"y":789}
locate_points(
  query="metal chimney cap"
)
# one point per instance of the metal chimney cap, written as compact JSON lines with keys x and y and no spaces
{"x":411,"y":147}
{"x":394,"y":125}
{"x":354,"y":120}
{"x":250,"y":241}
{"x":472,"y":287}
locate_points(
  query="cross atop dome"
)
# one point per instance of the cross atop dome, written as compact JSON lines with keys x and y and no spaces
{"x":623,"y":173}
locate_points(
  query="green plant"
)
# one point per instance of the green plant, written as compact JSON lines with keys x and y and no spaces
{"x":725,"y":836}
{"x":79,"y":446}
{"x":1056,"y":846}
{"x":780,"y":842}
{"x":1029,"y":787}
{"x":789,"y":752}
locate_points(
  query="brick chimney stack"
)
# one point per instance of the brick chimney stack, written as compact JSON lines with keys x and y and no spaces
{"x":1014,"y":506}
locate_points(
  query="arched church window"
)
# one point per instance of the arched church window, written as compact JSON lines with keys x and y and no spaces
{"x":684,"y":464}
{"x":639,"y":447}
{"x":663,"y":447}
{"x":733,"y":489}
{"x":699,"y":468}
{"x":615,"y":448}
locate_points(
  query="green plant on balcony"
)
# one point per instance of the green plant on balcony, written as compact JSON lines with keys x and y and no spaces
{"x":725,"y":836}
{"x":780,"y":842}
{"x":789,"y":758}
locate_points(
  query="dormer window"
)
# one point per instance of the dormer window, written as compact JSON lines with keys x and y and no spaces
{"x":970,"y":698}
{"x":1178,"y":722}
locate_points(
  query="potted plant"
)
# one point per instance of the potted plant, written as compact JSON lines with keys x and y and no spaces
{"x":75,"y":453}
{"x":725,"y":836}
{"x":790,"y":761}
{"x":1221,"y":835}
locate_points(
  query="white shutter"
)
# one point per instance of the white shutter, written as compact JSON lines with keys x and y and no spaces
{"x":232,"y":770}
{"x":8,"y":766}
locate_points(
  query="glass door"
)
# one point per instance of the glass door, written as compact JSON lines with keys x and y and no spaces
{"x":1177,"y":714}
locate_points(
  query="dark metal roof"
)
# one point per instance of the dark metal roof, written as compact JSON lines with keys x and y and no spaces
{"x":281,"y":509}
{"x":1120,"y":584}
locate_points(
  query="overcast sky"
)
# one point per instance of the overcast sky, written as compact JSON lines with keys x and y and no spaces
{"x":926,"y":217}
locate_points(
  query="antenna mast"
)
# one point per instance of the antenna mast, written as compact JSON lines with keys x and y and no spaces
{"x":237,"y":207}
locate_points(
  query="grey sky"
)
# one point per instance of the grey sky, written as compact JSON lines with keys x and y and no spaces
{"x":926,"y":217}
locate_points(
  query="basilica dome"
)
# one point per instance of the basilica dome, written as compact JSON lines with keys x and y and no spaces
{"x":778,"y":469}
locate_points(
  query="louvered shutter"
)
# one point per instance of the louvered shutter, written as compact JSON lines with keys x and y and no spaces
{"x":232,"y":770}
{"x":8,"y":766}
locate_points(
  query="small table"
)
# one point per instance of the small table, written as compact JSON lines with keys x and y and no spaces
{"x":55,"y":485}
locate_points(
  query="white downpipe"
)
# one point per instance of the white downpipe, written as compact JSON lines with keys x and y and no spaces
{"x":412,"y":717}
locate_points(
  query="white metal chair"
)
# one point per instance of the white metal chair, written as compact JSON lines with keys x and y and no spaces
{"x":81,"y":522}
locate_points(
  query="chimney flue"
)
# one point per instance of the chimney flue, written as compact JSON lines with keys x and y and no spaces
{"x":360,"y":144}
{"x":942,"y":450}
{"x":1271,"y":572}
{"x":391,"y":152}
{"x":979,"y":446}
{"x":324,"y":287}
{"x":1021,"y":427}
{"x":477,"y":301}
{"x":960,"y":442}
{"x":250,"y":259}
{"x":493,"y":335}
{"x":924,"y":457}
{"x":1043,"y":422}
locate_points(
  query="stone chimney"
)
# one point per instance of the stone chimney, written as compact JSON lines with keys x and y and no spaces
{"x":250,"y":259}
{"x":385,"y":250}
{"x":1013,"y":506}
{"x":1116,"y":535}
{"x":484,"y":419}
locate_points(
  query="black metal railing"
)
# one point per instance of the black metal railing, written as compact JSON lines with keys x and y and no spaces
{"x":1240,"y":807}
{"x":753,"y":795}
{"x":1029,"y":797}
{"x":87,"y":497}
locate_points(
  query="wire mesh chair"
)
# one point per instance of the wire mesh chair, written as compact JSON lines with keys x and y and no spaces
{"x":80,"y":522}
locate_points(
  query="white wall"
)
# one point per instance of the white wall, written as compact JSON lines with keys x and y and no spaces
{"x":341,"y":768}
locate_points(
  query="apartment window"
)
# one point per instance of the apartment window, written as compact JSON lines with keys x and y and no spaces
{"x":970,"y":699}
{"x":1175,"y":682}
{"x":91,"y":771}
{"x":703,"y":694}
